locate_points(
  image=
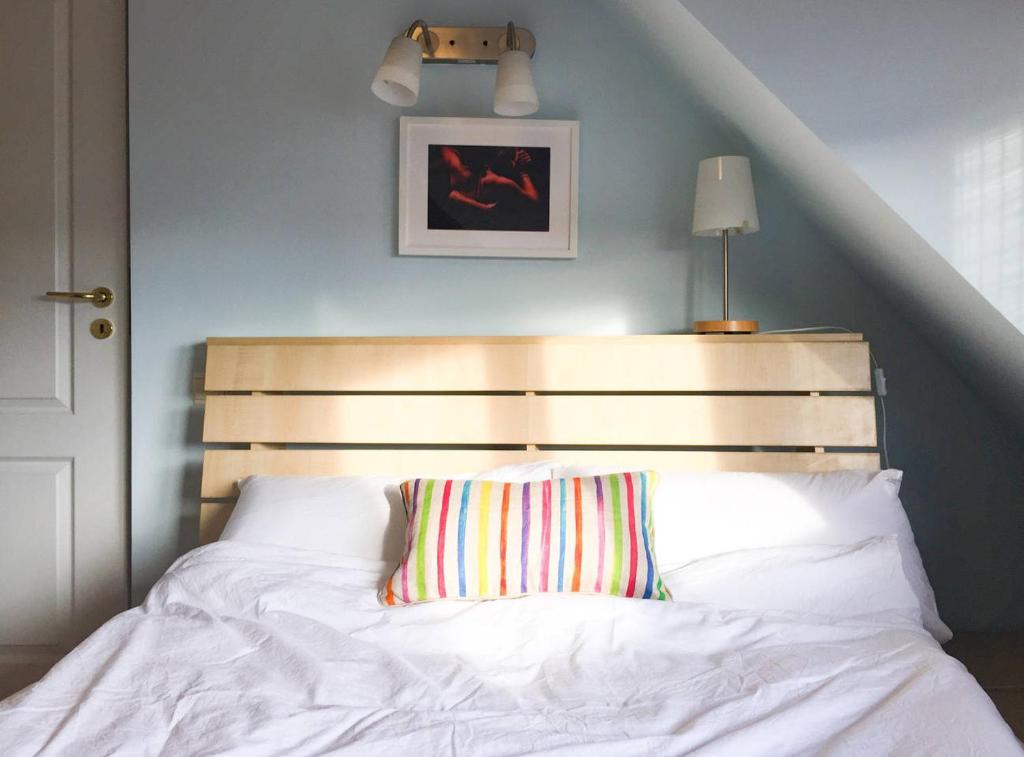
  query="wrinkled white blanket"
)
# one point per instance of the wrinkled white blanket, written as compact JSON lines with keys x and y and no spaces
{"x":254,"y":650}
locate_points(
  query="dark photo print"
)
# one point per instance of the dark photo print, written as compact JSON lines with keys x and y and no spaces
{"x":483,"y":188}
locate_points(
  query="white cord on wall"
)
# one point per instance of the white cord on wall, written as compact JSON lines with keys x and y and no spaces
{"x":880,"y":389}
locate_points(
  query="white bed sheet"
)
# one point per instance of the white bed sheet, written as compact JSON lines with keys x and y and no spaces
{"x":244,"y":649}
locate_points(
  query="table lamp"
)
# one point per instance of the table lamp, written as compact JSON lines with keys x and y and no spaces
{"x":724,"y":205}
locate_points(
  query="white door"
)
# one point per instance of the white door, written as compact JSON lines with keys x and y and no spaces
{"x":63,"y":392}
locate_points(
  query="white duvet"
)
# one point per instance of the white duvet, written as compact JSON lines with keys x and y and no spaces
{"x":255,"y":650}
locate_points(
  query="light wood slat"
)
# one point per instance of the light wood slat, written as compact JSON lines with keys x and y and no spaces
{"x":700,"y":367}
{"x":222,"y":468}
{"x":366,"y":367}
{"x":213,"y":516}
{"x":654,"y":363}
{"x":703,"y":421}
{"x":620,"y":420}
{"x":623,"y":420}
{"x":367,"y":419}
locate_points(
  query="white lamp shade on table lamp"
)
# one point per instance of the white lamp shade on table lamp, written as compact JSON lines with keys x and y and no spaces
{"x":724,"y":205}
{"x":725,"y":197}
{"x":514,"y":93}
{"x":398,"y":79}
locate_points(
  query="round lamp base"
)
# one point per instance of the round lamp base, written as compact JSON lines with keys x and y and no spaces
{"x":725,"y":327}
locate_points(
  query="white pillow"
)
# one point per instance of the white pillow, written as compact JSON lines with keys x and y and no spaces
{"x":840,"y":581}
{"x":346,"y":514}
{"x":702,"y":514}
{"x":357,"y":516}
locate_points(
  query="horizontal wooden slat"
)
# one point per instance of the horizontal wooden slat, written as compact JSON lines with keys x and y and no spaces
{"x":406,"y":366}
{"x":367,"y":419}
{"x":699,"y":421}
{"x":637,"y":363}
{"x":620,"y":420}
{"x":222,"y":468}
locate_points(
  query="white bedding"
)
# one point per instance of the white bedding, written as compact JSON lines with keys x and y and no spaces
{"x":245,"y":649}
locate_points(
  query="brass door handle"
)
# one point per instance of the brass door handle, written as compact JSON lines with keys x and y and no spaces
{"x":101,"y":297}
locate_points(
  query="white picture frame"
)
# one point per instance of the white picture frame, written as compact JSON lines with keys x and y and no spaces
{"x":435,"y":217}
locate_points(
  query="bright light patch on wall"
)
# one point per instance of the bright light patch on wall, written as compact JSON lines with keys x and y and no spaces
{"x":988,"y":218}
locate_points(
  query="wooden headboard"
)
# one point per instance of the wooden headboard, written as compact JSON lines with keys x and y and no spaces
{"x":441,"y":406}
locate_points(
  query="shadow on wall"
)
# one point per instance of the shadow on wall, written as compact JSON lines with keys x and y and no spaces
{"x":192,"y":471}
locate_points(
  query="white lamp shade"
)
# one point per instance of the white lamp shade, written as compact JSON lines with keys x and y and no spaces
{"x":514,"y":93}
{"x":398,"y":79}
{"x":725,"y":197}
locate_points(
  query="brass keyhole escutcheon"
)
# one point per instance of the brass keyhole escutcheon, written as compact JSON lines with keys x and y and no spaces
{"x":101,"y":328}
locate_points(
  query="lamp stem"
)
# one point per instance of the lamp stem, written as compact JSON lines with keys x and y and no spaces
{"x":725,"y":274}
{"x":425,"y":37}
{"x":511,"y":38}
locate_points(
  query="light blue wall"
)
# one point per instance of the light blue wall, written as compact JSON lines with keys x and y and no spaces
{"x":263,"y":203}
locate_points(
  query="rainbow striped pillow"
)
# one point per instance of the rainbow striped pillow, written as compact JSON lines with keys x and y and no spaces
{"x":485,"y":539}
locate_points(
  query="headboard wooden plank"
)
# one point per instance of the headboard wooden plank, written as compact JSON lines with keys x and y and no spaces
{"x":620,"y":420}
{"x":701,"y":420}
{"x":564,"y":364}
{"x":223,"y":468}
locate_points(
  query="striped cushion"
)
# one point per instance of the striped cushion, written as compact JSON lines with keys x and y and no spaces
{"x":485,"y":539}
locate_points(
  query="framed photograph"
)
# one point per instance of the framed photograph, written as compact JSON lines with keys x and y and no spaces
{"x":488,"y":187}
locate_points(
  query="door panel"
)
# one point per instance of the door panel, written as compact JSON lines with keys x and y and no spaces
{"x":63,"y":393}
{"x":35,"y":564}
{"x":34,"y":209}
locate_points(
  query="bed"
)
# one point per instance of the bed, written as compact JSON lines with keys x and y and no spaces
{"x":265,"y":648}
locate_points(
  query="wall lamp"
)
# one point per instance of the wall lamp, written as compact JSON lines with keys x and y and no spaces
{"x":398,"y":79}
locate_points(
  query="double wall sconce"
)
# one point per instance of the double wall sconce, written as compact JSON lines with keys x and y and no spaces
{"x":398,"y":79}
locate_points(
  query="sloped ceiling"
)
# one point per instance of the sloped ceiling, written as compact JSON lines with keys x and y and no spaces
{"x":917,"y":98}
{"x":984,"y":346}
